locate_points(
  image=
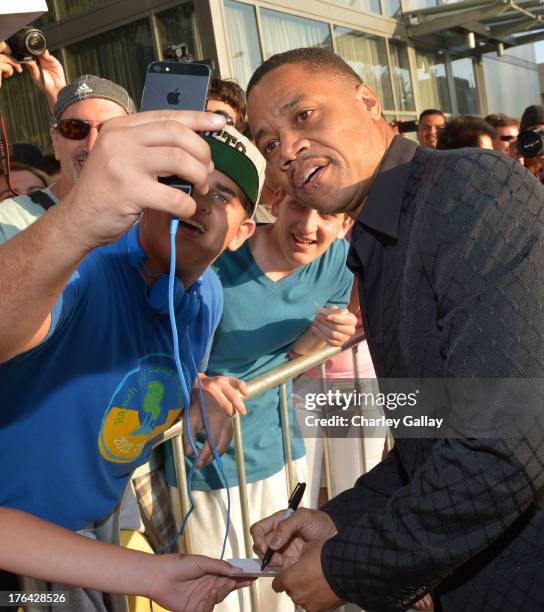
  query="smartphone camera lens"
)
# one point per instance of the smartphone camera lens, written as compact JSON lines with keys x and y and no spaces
{"x":157,"y":68}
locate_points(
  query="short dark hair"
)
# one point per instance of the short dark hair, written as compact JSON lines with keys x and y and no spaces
{"x":248,"y":206}
{"x":501,"y":120}
{"x":232,"y":94}
{"x":431,"y":111}
{"x":315,"y":59}
{"x":464,"y":131}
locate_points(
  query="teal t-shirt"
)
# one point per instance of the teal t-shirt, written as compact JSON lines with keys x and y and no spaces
{"x":261,"y":321}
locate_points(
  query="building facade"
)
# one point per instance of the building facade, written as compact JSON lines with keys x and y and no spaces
{"x":117,"y":39}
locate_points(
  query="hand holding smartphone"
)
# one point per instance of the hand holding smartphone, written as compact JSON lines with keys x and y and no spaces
{"x":176,"y":86}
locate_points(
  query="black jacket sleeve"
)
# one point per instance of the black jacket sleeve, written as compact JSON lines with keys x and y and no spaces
{"x":484,"y":258}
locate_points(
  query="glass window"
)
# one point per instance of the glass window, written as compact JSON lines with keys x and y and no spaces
{"x":371,"y":6}
{"x":510,"y":87}
{"x":243,"y":40}
{"x":402,"y":82}
{"x":414,"y":5}
{"x":28,"y":121}
{"x":178,"y":25}
{"x":282,"y":32}
{"x":67,"y":8}
{"x":121,"y":55}
{"x":465,"y":86}
{"x":391,"y":8}
{"x":367,"y":55}
{"x":432,"y":82}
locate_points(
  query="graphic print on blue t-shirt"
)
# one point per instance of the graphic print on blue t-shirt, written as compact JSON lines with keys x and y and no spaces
{"x":138,"y":410}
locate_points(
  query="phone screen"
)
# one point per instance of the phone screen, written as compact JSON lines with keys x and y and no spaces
{"x":176,"y":86}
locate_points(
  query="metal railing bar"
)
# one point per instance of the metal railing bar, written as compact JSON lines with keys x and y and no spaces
{"x":327,"y":455}
{"x":358,"y":388}
{"x":282,"y":374}
{"x":295,"y":367}
{"x":286,"y":434}
{"x":244,"y":502}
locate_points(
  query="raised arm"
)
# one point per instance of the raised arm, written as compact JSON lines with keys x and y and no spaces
{"x":119,"y":181}
{"x":54,"y":78}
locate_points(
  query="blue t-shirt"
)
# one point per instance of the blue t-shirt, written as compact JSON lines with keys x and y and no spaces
{"x":261,"y":321}
{"x":80,"y":410}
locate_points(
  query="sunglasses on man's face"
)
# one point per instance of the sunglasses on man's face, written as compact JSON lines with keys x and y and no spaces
{"x":508,"y":138}
{"x":230,"y":120}
{"x":76,"y":129}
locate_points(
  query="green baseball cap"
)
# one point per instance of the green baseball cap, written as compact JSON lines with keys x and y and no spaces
{"x":238,"y":158}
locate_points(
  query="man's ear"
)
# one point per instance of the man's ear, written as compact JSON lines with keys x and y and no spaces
{"x":369,"y":98}
{"x":346,"y":226}
{"x":244,"y":231}
{"x":276,"y":199}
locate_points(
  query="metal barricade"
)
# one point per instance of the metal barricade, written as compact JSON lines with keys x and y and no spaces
{"x":278,"y":377}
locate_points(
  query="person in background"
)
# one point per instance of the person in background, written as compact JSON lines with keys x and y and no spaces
{"x":227,"y":98}
{"x":81,"y":109}
{"x":431,"y":123}
{"x":506,"y":134}
{"x":28,"y":171}
{"x":533,"y":119}
{"x":465,"y":132}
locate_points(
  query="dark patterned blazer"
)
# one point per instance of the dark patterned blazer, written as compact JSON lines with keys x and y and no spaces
{"x":449,"y":254}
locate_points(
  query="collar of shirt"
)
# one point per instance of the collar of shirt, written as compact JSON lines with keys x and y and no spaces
{"x":381,"y":211}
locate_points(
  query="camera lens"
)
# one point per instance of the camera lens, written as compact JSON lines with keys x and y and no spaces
{"x":27,"y":44}
{"x":35,"y":42}
{"x":157,"y":68}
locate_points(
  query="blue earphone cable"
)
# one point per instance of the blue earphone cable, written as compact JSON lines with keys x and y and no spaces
{"x":186,"y":399}
{"x":216,"y":456}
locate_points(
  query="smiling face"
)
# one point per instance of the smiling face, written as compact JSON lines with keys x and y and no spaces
{"x":302,"y":234}
{"x":72,"y":154}
{"x":220,"y":222}
{"x":429,"y":128}
{"x":322,"y":135}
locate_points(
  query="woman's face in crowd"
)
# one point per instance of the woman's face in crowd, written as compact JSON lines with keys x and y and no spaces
{"x":22,"y":181}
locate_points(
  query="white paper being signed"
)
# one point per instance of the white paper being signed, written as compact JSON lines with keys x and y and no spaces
{"x":252,"y":568}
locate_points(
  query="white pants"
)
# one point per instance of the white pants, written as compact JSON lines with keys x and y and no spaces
{"x":350,"y":457}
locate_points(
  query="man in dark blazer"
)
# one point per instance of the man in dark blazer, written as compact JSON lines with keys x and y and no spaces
{"x":448,"y":251}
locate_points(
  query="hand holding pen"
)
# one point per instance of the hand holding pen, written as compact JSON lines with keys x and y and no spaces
{"x":292,"y":505}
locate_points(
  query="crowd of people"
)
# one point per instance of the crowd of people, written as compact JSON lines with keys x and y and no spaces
{"x":297,"y":235}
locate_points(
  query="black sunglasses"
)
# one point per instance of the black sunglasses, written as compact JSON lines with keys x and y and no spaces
{"x":508,"y":138}
{"x":230,"y":120}
{"x":76,"y":129}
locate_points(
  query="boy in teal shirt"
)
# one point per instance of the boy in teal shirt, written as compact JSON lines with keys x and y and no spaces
{"x":273,"y":287}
